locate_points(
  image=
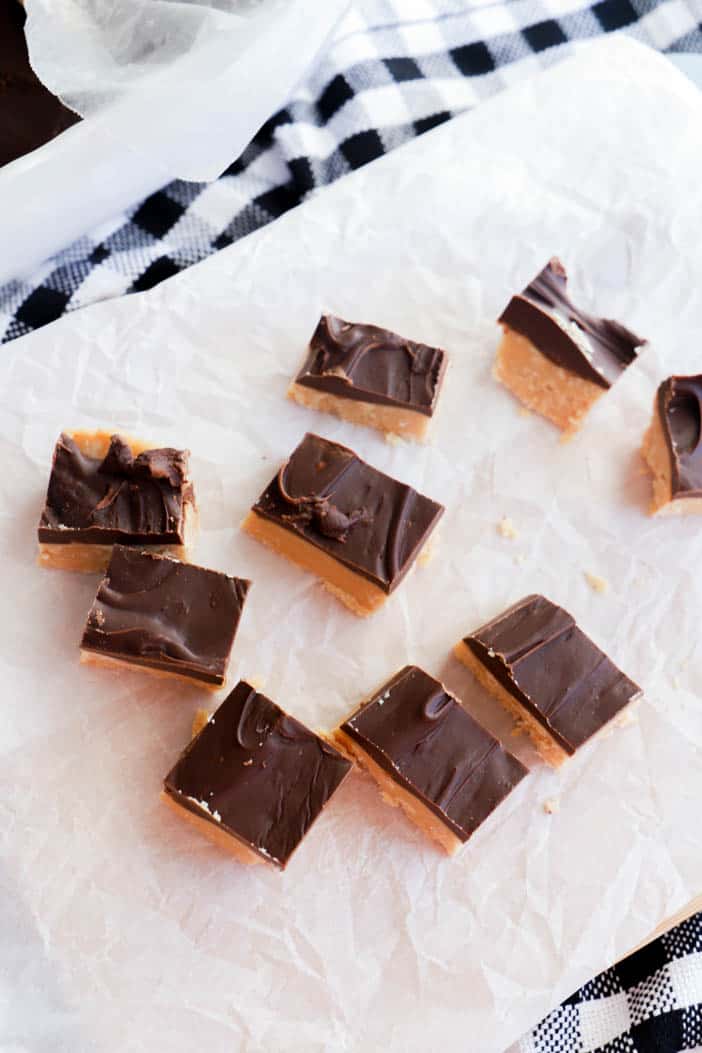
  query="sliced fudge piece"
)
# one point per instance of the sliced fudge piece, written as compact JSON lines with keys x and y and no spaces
{"x":555,"y":358}
{"x":331,"y":513}
{"x":545,"y":671}
{"x":254,"y":779}
{"x":430,"y":757}
{"x":106,"y":490}
{"x":166,"y":617}
{"x":672,"y":449}
{"x":371,"y":376}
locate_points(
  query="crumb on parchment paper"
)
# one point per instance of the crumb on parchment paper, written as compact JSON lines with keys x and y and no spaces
{"x":596,"y":583}
{"x":506,"y":528}
{"x":552,"y":805}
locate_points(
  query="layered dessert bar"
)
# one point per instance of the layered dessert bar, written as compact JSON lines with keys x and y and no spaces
{"x":105,"y":490}
{"x":161,"y":616}
{"x":554,"y":357}
{"x":548,"y":674}
{"x":255,"y":779}
{"x":672,"y":447}
{"x":356,"y":528}
{"x":371,"y":376}
{"x":429,"y":756}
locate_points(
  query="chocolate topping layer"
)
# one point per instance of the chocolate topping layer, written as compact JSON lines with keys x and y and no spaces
{"x":425,"y":740}
{"x":537,"y":652}
{"x":369,"y":364}
{"x":155,"y":611}
{"x":29,"y":114}
{"x":132,"y":500}
{"x":596,"y":349}
{"x":258,"y":774}
{"x":680,"y":409}
{"x":370,"y":522}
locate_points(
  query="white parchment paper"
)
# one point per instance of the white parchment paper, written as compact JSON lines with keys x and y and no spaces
{"x":170,"y":89}
{"x":121,"y":928}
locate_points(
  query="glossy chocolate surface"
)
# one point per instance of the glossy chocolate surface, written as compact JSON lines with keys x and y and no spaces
{"x":29,"y":114}
{"x":680,"y":409}
{"x":537,"y":652}
{"x":369,"y":364}
{"x":157,"y":612}
{"x":258,"y":774}
{"x":367,"y":520}
{"x":131,"y":500}
{"x":428,"y":743}
{"x":596,"y":349}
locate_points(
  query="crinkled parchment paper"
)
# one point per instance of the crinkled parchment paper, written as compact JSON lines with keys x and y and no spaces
{"x":121,"y":928}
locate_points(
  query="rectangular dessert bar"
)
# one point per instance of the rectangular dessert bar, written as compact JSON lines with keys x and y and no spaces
{"x":161,"y":616}
{"x":254,"y":780}
{"x":430,"y":757}
{"x":105,"y":490}
{"x":672,"y":447}
{"x":555,"y":358}
{"x":331,"y":513}
{"x":545,"y":671}
{"x":371,"y":376}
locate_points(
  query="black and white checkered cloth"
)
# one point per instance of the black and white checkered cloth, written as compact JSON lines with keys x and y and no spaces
{"x":394,"y":69}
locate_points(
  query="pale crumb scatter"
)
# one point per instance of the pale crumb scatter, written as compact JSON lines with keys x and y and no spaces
{"x":392,"y":438}
{"x":551,"y":806}
{"x":596,"y":583}
{"x":428,"y":552}
{"x":247,"y":763}
{"x":506,"y":528}
{"x":626,"y":718}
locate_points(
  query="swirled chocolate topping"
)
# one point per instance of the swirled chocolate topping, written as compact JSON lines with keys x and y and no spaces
{"x":596,"y":349}
{"x":369,"y":364}
{"x":367,"y":520}
{"x":680,"y":410}
{"x":29,"y":114}
{"x":121,"y":498}
{"x":428,"y":743}
{"x":258,"y":774}
{"x":538,"y":653}
{"x":157,"y":612}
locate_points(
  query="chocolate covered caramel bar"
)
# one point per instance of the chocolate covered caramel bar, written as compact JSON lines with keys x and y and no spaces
{"x":370,"y":376}
{"x":672,"y":447}
{"x":331,"y":513}
{"x":554,"y":357}
{"x":430,"y":757}
{"x":254,"y":780}
{"x":105,"y":490}
{"x":545,"y":671}
{"x":161,"y":616}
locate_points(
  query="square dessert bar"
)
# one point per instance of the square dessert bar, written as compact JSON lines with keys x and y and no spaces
{"x":331,"y":513}
{"x":105,"y":490}
{"x":545,"y":671}
{"x":370,"y":376}
{"x":156,"y":614}
{"x":555,"y":358}
{"x":672,"y":447}
{"x":430,"y":757}
{"x":254,"y":779}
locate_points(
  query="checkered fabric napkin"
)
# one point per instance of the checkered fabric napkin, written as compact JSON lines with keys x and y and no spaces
{"x":649,"y":1003}
{"x":394,"y":69}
